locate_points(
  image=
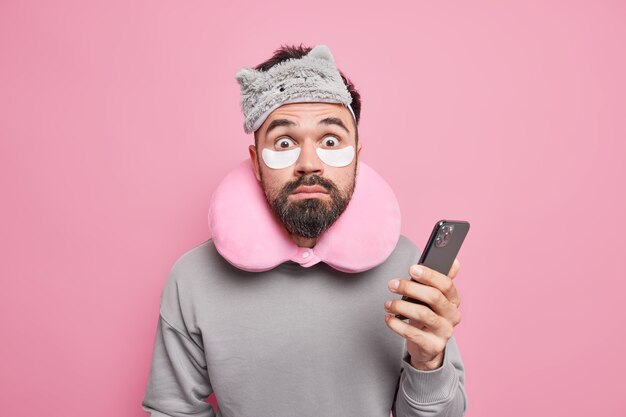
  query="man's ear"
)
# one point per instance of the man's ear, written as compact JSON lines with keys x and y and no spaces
{"x":255,"y":161}
{"x":358,"y":152}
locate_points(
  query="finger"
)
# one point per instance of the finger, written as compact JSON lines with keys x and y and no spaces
{"x":437,"y":280}
{"x":430,"y":344}
{"x":454,"y":269}
{"x":434,"y":298}
{"x":422,"y":317}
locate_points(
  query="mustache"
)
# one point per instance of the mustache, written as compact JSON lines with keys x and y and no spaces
{"x":310,"y":180}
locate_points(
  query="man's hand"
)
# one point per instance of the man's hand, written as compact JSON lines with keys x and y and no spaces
{"x":428,"y":329}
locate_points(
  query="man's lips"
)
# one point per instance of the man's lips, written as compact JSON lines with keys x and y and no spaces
{"x":310,"y":191}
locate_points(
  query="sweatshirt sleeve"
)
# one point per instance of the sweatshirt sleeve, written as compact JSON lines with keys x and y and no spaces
{"x":178,"y":383}
{"x":440,"y":392}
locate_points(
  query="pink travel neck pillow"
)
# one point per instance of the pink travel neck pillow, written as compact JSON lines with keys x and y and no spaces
{"x":248,"y":235}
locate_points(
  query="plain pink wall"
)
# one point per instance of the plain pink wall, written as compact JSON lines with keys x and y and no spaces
{"x":118,"y":118}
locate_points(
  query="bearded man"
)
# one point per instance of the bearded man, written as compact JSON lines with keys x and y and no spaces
{"x":281,"y":313}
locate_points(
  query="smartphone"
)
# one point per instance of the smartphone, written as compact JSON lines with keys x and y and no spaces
{"x":442,"y":247}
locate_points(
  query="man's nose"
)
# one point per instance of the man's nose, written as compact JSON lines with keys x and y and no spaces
{"x":308,"y":161}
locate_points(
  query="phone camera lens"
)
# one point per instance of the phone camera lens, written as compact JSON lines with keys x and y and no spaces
{"x":443,"y":237}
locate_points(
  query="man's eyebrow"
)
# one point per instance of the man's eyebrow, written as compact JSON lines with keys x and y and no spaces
{"x":278,"y":122}
{"x":334,"y":121}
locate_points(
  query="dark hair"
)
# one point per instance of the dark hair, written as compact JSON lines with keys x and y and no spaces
{"x":286,"y":52}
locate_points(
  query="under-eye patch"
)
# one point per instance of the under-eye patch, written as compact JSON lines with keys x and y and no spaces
{"x":336,"y":157}
{"x":280,"y":159}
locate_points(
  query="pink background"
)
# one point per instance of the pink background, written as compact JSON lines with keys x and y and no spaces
{"x":119,"y":118}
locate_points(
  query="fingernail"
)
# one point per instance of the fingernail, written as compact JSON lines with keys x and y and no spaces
{"x":394,"y":284}
{"x":417,"y":270}
{"x":387,"y":305}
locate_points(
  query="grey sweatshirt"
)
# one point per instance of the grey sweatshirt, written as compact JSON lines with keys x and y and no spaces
{"x":290,"y":342}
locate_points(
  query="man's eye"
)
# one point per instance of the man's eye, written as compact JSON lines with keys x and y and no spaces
{"x":283,"y":143}
{"x":330,"y":141}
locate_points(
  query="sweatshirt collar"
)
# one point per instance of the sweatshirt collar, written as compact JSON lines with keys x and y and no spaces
{"x":248,"y":235}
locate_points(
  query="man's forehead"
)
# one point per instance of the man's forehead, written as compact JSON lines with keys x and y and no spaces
{"x":308,"y":113}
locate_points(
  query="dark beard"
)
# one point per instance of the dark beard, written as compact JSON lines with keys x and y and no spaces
{"x":310,"y":217}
